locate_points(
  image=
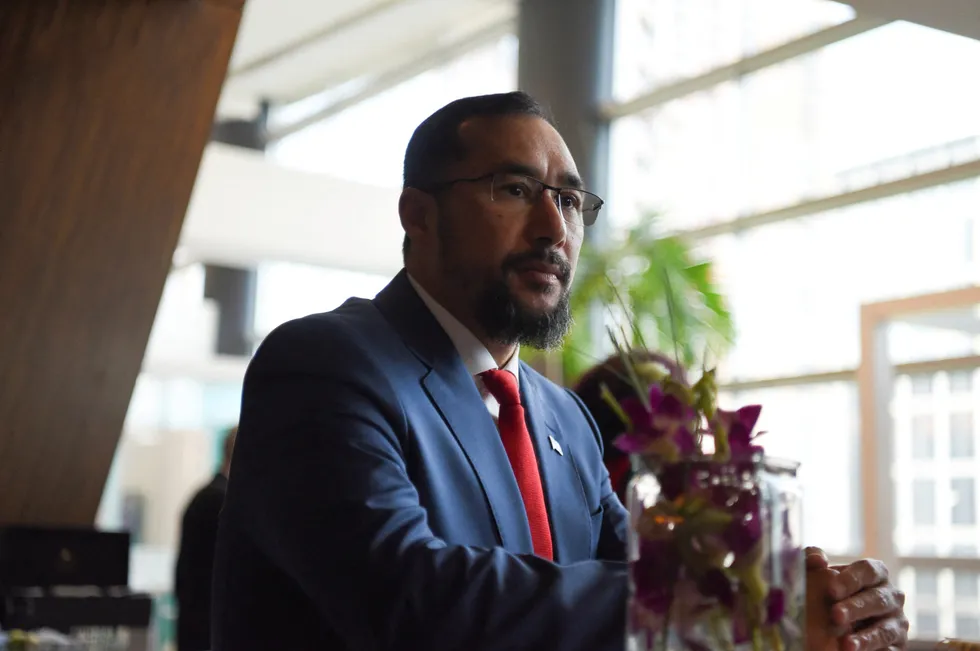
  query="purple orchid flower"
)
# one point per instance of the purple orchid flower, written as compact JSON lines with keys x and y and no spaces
{"x":654,"y":574}
{"x":667,"y":417}
{"x":775,"y":606}
{"x":739,"y":426}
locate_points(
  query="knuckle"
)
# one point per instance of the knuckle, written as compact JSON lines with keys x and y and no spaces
{"x":898,"y":635}
{"x":883,"y":601}
{"x":874,"y":568}
{"x":877,"y":638}
{"x":882,"y":571}
{"x":865,"y":565}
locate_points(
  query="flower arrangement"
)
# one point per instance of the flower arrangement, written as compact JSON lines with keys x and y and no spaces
{"x":714,"y":558}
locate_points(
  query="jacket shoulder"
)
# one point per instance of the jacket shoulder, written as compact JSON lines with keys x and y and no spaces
{"x":329,"y":340}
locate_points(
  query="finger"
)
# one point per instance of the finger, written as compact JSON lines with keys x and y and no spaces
{"x":879,"y":636}
{"x":872,"y":604}
{"x":857,"y":577}
{"x":816,"y":558}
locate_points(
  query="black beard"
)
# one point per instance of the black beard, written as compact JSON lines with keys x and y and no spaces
{"x":506,"y":321}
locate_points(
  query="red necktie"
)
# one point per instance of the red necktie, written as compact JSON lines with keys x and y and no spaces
{"x":502,"y":385}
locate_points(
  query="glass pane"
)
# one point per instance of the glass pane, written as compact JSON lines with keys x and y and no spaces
{"x":966,"y":585}
{"x":964,"y":501}
{"x":961,"y":436}
{"x":941,"y":602}
{"x":961,"y":381}
{"x":658,"y":41}
{"x":927,"y":583}
{"x":935,"y":493}
{"x":826,"y":441}
{"x":926,"y":625}
{"x":921,"y":384}
{"x":968,"y":627}
{"x":923,"y":437}
{"x":923,"y":502}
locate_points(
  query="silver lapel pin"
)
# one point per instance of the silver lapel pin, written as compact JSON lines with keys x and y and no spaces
{"x":556,"y":446}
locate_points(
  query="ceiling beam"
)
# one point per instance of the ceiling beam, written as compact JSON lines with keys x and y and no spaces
{"x":779,"y":54}
{"x":391,"y":78}
{"x":329,"y":31}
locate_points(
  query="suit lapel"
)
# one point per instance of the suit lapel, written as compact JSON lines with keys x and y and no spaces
{"x":453,"y":392}
{"x":454,"y":395}
{"x":567,"y":511}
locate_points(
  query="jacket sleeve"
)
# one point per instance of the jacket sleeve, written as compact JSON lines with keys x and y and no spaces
{"x":320,"y":486}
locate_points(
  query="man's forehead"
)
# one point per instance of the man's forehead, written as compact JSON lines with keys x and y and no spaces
{"x":520,"y":141}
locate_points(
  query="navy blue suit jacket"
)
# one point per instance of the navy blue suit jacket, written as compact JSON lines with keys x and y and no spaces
{"x":371,"y":504}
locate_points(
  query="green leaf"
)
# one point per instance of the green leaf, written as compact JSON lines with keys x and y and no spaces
{"x":671,"y":300}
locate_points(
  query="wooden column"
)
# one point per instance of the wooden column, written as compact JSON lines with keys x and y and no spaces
{"x":105,"y":109}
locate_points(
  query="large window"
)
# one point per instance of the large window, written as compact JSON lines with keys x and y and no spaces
{"x":818,"y":424}
{"x":660,"y":41}
{"x":809,"y":127}
{"x":817,"y":185}
{"x":796,"y":287}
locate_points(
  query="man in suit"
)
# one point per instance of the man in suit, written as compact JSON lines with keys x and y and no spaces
{"x":195,"y":558}
{"x":402,"y":481}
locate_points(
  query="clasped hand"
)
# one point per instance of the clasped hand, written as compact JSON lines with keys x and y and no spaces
{"x":853,"y":607}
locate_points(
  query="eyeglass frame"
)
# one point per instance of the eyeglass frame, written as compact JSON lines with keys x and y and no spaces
{"x":492,"y":175}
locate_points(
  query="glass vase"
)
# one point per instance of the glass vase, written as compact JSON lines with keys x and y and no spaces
{"x":716,"y":560}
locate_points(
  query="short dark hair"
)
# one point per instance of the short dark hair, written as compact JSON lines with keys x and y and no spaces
{"x":436,"y":143}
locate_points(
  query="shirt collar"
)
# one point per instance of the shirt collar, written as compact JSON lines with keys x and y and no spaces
{"x":476,"y":357}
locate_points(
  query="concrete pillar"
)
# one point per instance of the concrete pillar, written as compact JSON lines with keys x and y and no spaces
{"x":232,"y":288}
{"x":565,"y":62}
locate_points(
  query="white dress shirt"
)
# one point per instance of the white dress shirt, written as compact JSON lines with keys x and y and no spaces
{"x":476,"y":357}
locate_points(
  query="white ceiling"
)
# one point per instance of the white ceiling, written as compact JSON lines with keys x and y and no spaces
{"x":290,"y":49}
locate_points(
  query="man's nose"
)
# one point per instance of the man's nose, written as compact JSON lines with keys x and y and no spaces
{"x":546,"y":223}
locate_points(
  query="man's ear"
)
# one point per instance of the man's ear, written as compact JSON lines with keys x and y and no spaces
{"x":417,"y":210}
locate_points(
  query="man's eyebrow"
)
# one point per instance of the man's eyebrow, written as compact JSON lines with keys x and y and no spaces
{"x":572,"y":180}
{"x":511,"y":167}
{"x":567,"y":180}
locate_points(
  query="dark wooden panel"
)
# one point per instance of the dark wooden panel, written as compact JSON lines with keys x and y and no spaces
{"x":105,"y":108}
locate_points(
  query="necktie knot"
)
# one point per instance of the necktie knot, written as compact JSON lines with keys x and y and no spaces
{"x":503,"y":386}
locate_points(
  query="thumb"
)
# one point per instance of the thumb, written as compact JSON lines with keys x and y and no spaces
{"x":816,"y":558}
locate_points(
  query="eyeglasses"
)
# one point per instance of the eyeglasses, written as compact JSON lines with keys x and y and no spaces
{"x":519,"y":192}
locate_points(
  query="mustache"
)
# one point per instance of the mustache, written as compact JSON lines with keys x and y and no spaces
{"x":515,"y":261}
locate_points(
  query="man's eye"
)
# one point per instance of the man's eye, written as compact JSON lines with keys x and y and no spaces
{"x":517,"y":189}
{"x":571,"y":201}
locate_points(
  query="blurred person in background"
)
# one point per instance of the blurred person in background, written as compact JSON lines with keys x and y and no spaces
{"x":612,"y":374}
{"x":195,"y":559}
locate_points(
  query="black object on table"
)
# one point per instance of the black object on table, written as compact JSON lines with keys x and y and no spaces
{"x":66,"y":579}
